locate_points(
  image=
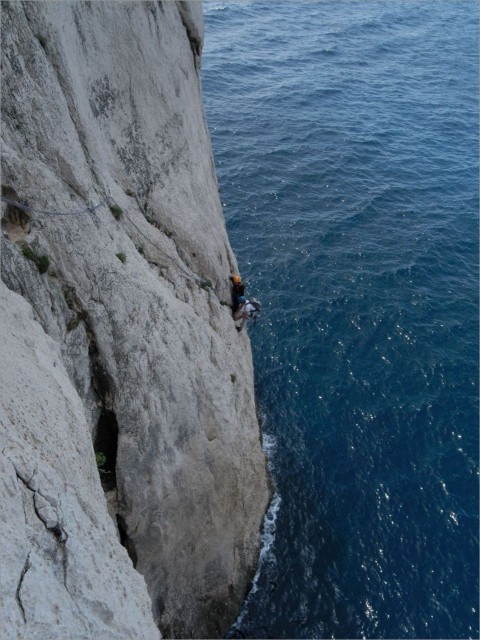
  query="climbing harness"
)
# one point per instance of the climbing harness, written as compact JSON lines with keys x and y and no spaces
{"x":249,"y":309}
{"x":253,"y":314}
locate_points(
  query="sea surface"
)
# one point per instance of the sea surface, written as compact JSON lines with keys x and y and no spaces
{"x":345,"y":137}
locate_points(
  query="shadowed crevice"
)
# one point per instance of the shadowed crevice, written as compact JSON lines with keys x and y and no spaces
{"x":106,"y":446}
{"x":125,"y":540}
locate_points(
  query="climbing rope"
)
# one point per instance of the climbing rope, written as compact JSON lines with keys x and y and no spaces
{"x":192,"y":276}
{"x":24,"y":207}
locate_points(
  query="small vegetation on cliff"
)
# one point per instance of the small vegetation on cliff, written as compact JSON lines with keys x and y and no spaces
{"x":28,"y":253}
{"x":100,"y":459}
{"x":41,"y":39}
{"x":73,"y":322}
{"x":116,"y":211}
{"x":141,"y":250}
{"x":42,"y":262}
{"x":121,"y":256}
{"x":233,"y":377}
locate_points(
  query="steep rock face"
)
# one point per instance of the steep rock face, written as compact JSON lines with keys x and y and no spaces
{"x":102,"y":100}
{"x":63,"y":573}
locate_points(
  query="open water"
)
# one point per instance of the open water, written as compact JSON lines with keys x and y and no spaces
{"x":346,"y":142}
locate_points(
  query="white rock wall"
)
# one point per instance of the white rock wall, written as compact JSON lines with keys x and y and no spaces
{"x":103,"y":99}
{"x":63,"y":573}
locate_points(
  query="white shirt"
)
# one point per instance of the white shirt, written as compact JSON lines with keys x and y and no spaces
{"x":245,"y":310}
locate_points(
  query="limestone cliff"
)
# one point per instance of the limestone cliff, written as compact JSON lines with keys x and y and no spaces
{"x":121,"y":342}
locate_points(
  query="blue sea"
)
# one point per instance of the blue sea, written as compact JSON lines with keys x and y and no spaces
{"x":345,"y":137}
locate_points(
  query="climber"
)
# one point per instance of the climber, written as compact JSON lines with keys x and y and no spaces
{"x":238,"y":290}
{"x":247,"y":309}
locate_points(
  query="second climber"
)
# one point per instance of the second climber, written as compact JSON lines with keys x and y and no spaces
{"x":238,"y":290}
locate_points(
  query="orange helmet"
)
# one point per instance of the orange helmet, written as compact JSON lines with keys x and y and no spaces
{"x":236,"y":279}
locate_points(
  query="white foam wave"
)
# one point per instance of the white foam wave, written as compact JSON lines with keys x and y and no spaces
{"x":269,"y":446}
{"x":207,"y":7}
{"x":268,"y":530}
{"x":268,"y":533}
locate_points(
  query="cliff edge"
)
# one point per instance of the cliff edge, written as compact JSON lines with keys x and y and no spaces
{"x":116,"y":337}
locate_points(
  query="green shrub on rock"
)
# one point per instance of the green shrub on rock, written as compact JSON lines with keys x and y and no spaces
{"x":100,"y":459}
{"x":116,"y":211}
{"x":73,"y":322}
{"x":42,"y":262}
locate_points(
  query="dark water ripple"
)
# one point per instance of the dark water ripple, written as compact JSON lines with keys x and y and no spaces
{"x":346,"y":143}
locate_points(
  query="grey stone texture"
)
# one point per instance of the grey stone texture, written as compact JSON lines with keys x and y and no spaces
{"x":102,"y":100}
{"x":63,"y":574}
